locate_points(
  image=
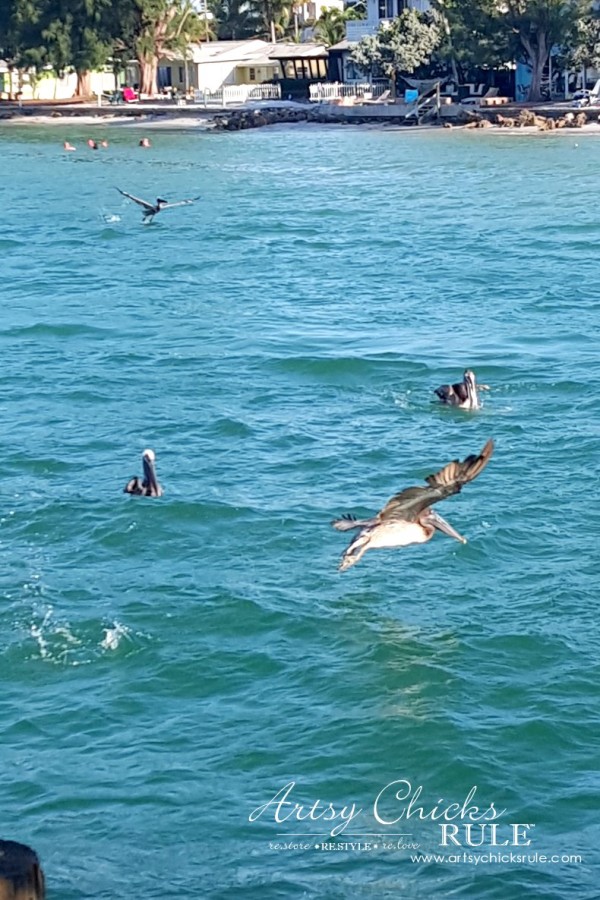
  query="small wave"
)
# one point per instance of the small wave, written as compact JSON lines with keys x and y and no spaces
{"x":66,"y":329}
{"x":228,"y":427}
{"x":347,"y":366}
{"x":109,"y":234}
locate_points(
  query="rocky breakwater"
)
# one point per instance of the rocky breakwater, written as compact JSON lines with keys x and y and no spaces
{"x":241,"y":119}
{"x":527,"y":118}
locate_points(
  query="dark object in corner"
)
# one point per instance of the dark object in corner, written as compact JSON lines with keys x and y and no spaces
{"x":21,"y":876}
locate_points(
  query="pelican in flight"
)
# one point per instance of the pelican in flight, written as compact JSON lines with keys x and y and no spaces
{"x":147,"y":486}
{"x":408,"y":518}
{"x":151,"y":209}
{"x":463,"y":394}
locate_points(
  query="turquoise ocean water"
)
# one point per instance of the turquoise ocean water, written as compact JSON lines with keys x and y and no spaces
{"x":168,"y":666}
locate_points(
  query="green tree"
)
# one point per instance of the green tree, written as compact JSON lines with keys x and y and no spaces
{"x":67,"y":34}
{"x":163,"y":25}
{"x":524,"y":30}
{"x":235,"y":19}
{"x":21,"y":45}
{"x":470,"y":37}
{"x":538,"y":25}
{"x":581,"y":47}
{"x":187,"y":28}
{"x":330,"y":27}
{"x":77,"y":34}
{"x":271,"y":13}
{"x":399,"y":47}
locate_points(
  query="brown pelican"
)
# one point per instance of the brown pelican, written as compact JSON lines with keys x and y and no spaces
{"x":147,"y":486}
{"x":408,"y":518}
{"x":151,"y":209}
{"x":463,"y":394}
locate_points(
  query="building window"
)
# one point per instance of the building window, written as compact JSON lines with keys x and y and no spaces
{"x":164,"y":77}
{"x":389,"y":9}
{"x":252,"y":74}
{"x":181,"y":75}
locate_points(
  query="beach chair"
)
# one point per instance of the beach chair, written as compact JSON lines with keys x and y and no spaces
{"x":587,"y":98}
{"x":129,"y":95}
{"x":383,"y":98}
{"x":491,"y":92}
{"x":482,"y":99}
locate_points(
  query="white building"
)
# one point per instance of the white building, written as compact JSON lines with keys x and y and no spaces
{"x":216,"y":64}
{"x":379,"y":11}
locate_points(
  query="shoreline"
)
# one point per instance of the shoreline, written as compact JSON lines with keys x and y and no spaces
{"x":508,"y":119}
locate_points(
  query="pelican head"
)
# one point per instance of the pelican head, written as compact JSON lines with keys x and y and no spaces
{"x":432,"y":520}
{"x":148,"y":460}
{"x":471,"y":386}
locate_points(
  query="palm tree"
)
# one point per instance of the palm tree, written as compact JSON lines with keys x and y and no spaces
{"x":186,"y":28}
{"x":330,"y":27}
{"x":165,"y":25}
{"x":235,"y":19}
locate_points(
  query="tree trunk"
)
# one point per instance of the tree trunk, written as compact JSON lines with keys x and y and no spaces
{"x":11,"y":82}
{"x":148,"y":74}
{"x":84,"y":84}
{"x":538,"y":57}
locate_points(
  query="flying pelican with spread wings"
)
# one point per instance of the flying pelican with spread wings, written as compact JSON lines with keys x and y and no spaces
{"x":151,"y":209}
{"x":408,"y":518}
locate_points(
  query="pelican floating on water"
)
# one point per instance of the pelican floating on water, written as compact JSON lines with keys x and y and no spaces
{"x":151,"y":209}
{"x":408,"y":518}
{"x":463,"y":394}
{"x":147,"y":486}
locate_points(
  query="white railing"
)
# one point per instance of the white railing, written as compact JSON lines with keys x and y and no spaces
{"x":326,"y":92}
{"x":238,"y":93}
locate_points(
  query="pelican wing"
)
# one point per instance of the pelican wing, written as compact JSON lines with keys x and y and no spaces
{"x":137,"y":200}
{"x":452,"y":393}
{"x":460,"y":389}
{"x":347,"y":522}
{"x":410,"y":503}
{"x":179,"y":203}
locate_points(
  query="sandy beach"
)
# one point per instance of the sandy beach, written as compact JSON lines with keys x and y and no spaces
{"x":175,"y":118}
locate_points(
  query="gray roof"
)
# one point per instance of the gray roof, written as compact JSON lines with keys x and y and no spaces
{"x":299,"y":51}
{"x":344,"y":45}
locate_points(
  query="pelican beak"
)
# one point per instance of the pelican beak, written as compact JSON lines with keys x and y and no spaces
{"x":150,"y":471}
{"x":440,"y":524}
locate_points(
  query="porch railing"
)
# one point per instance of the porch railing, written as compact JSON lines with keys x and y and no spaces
{"x":238,"y":93}
{"x":325,"y":92}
